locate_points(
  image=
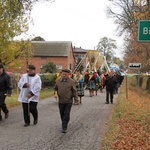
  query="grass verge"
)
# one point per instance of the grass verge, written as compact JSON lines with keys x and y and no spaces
{"x":13,"y":100}
{"x":129,"y":126}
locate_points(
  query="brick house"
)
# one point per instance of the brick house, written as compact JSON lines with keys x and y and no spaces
{"x":58,"y":52}
{"x":80,"y":53}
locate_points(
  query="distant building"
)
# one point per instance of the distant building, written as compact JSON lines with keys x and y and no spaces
{"x":80,"y":53}
{"x":61,"y":53}
{"x":58,"y":52}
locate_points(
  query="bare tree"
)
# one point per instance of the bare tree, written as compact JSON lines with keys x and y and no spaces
{"x":127,"y":13}
{"x":106,"y":46}
{"x":123,"y":14}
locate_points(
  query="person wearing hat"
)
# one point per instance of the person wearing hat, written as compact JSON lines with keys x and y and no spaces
{"x":65,"y":90}
{"x":30,"y":86}
{"x":5,"y":90}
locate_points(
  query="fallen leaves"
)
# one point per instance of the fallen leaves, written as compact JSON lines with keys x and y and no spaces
{"x":134,"y":125}
{"x":131,"y":122}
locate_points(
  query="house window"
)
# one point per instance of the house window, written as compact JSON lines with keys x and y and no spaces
{"x":43,"y":58}
{"x":59,"y":66}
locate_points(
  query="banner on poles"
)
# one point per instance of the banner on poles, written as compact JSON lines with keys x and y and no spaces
{"x":93,"y":56}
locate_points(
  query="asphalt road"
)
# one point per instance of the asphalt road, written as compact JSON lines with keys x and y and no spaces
{"x":86,"y":128}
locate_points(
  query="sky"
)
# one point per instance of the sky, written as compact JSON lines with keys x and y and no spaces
{"x":83,"y":22}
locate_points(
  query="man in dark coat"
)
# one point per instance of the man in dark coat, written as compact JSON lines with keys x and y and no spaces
{"x":5,"y":90}
{"x":110,"y":84}
{"x":65,"y":90}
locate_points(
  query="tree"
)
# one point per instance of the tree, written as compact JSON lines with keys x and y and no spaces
{"x":121,"y":66}
{"x":16,"y":51}
{"x":127,"y":16}
{"x":127,"y":13}
{"x":38,"y":38}
{"x":137,"y":52}
{"x":117,"y":60}
{"x":106,"y":46}
{"x":14,"y":19}
{"x":49,"y":67}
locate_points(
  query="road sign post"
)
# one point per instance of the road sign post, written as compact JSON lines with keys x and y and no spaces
{"x":144,"y":31}
{"x":134,"y":65}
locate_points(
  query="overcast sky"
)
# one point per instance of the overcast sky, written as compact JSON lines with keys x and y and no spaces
{"x":83,"y":22}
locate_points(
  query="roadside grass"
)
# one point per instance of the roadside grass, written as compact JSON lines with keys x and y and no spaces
{"x":13,"y":100}
{"x":129,"y":126}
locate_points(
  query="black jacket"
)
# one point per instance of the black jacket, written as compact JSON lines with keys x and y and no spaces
{"x":5,"y":83}
{"x":110,"y":83}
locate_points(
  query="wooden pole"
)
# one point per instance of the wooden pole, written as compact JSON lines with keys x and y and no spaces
{"x":126,"y":87}
{"x":27,"y":64}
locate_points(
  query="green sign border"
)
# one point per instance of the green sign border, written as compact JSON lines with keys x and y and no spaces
{"x":139,"y":36}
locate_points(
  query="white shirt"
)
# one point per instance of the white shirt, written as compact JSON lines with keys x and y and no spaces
{"x":35,"y":87}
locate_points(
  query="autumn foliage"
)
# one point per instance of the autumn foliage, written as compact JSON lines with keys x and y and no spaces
{"x":130,"y":122}
{"x":127,"y":21}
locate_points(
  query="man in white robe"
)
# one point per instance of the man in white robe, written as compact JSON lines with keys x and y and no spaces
{"x":30,"y":86}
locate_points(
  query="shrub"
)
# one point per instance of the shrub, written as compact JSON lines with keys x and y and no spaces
{"x":48,"y":80}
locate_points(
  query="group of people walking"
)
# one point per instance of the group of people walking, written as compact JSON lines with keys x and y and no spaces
{"x":29,"y":85}
{"x":69,"y":89}
{"x":111,"y":81}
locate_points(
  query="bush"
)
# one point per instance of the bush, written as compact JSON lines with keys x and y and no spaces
{"x":14,"y":80}
{"x":49,"y":67}
{"x":48,"y":80}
